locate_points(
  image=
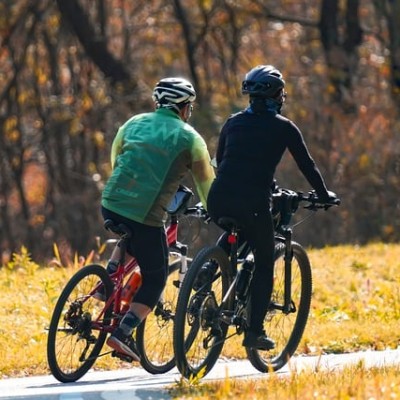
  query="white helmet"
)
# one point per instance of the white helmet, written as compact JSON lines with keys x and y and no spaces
{"x":173,"y":92}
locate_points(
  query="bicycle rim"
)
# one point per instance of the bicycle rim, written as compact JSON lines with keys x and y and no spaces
{"x":73,"y":343}
{"x":154,"y":334}
{"x":199,"y":333}
{"x":285,"y":329}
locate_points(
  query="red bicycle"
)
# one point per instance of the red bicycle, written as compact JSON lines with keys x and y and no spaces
{"x":80,"y":323}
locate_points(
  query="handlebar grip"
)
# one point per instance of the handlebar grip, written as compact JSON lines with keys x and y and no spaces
{"x":336,"y":202}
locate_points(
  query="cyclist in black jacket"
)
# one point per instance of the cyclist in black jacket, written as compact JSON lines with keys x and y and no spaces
{"x":251,"y":145}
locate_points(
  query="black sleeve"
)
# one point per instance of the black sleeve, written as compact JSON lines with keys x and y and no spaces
{"x":221,"y":144}
{"x":305,"y":162}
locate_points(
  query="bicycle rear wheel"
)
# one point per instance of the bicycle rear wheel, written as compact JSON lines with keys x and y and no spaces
{"x":199,"y":333}
{"x":154,"y":334}
{"x":286,"y":329}
{"x":73,"y":343}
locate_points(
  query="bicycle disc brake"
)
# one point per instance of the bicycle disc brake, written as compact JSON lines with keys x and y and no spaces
{"x":240,"y":318}
{"x":81,"y":324}
{"x":164,"y":313}
{"x":207,"y":312}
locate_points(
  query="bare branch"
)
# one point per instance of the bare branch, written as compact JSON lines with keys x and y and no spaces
{"x":95,"y":47}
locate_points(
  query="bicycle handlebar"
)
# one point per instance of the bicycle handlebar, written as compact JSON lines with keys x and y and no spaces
{"x":286,"y":203}
{"x":198,"y":211}
{"x":315,"y":204}
{"x":296,"y":198}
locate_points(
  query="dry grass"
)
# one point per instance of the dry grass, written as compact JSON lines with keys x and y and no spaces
{"x":29,"y":293}
{"x":356,"y":301}
{"x":356,"y":306}
{"x":352,"y":383}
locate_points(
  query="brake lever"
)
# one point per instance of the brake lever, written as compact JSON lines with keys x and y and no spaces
{"x":202,"y":213}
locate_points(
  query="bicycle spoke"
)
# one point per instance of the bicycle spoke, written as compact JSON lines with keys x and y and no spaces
{"x":74,"y":341}
{"x":285,"y":328}
{"x":155,"y":335}
{"x":199,"y":332}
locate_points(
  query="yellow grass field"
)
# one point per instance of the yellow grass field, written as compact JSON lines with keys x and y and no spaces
{"x":356,"y":306}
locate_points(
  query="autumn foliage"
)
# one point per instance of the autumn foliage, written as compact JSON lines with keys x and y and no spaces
{"x":73,"y":71}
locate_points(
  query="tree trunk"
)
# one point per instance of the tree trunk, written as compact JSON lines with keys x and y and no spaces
{"x":95,"y":46}
{"x":340,"y":50}
{"x":393,"y":20}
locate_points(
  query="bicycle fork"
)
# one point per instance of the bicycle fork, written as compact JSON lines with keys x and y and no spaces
{"x":182,"y":250}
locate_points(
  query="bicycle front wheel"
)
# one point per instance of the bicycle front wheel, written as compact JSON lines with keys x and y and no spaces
{"x":73,"y":341}
{"x":154,"y":334}
{"x":199,"y":333}
{"x":285,"y":328}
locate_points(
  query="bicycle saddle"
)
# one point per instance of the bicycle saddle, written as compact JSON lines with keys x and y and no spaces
{"x":228,"y":223}
{"x":119,"y":229}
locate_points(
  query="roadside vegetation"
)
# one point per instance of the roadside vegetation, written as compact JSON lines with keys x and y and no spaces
{"x":355,"y":307}
{"x":355,"y":382}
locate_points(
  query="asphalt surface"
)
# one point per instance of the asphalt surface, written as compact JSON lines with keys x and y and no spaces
{"x":137,"y":384}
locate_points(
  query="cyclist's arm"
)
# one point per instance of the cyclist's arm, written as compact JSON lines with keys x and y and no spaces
{"x":306,"y":163}
{"x":116,"y":147}
{"x":221,"y":145}
{"x":201,"y":169}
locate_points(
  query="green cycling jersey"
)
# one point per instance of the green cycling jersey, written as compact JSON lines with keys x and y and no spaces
{"x":150,"y":155}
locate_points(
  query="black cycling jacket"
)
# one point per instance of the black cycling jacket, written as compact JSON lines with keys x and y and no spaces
{"x":250,"y":148}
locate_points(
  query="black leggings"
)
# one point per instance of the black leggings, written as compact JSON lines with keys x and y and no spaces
{"x":149,"y":247}
{"x":255,"y":218}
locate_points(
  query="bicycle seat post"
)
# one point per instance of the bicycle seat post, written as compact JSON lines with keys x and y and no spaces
{"x":233,"y":241}
{"x":123,"y":244}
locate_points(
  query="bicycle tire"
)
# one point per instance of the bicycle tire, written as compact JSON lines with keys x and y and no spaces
{"x":199,"y":335}
{"x":69,"y":335}
{"x":154,"y":334}
{"x":285,"y":329}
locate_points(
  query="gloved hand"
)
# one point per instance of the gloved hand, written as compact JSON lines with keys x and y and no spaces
{"x":331,"y":199}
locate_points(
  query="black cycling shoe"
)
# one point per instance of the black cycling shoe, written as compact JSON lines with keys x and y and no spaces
{"x":259,"y":341}
{"x":123,"y":344}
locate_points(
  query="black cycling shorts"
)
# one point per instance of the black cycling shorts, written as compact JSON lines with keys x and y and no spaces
{"x":149,"y":247}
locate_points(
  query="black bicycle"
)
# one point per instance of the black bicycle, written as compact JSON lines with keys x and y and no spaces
{"x":214,"y":295}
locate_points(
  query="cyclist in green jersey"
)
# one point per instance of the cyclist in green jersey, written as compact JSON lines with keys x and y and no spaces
{"x":150,"y":154}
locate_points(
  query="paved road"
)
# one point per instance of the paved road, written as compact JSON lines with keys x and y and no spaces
{"x":137,"y":384}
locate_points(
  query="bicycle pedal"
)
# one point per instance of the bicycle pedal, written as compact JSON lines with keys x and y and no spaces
{"x":121,"y":356}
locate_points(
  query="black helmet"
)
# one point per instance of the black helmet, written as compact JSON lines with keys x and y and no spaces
{"x":263,"y":81}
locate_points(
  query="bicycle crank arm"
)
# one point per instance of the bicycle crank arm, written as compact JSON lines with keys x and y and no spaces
{"x":208,"y":338}
{"x":94,"y":358}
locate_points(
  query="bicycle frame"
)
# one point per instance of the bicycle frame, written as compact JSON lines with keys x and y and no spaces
{"x":124,"y":269}
{"x":216,"y":292}
{"x":283,"y":233}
